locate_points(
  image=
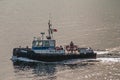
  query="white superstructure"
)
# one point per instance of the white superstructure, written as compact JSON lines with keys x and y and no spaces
{"x":47,"y":46}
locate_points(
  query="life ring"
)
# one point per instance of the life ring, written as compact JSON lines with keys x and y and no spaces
{"x":75,"y":48}
{"x":68,"y":48}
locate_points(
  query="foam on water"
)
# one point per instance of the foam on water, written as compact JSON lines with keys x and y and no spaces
{"x":102,"y":52}
{"x":14,"y":58}
{"x":109,"y":59}
{"x":72,"y":61}
{"x":115,"y":49}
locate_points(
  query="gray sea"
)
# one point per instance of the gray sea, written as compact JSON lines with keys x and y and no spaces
{"x":88,"y":23}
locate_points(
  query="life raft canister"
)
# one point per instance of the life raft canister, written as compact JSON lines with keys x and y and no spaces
{"x":59,"y":48}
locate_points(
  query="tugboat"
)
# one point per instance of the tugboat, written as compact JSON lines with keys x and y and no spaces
{"x":47,"y":51}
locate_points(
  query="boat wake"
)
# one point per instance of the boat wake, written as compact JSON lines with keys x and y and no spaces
{"x":109,"y":59}
{"x":14,"y":58}
{"x":102,"y":52}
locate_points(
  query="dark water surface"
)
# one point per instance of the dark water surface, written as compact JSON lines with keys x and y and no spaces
{"x":94,"y":23}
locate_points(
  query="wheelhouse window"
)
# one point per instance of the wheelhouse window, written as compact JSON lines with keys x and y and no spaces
{"x":46,"y":44}
{"x":37,"y":43}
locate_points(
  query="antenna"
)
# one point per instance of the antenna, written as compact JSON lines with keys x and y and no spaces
{"x":42,"y":33}
{"x":50,"y":17}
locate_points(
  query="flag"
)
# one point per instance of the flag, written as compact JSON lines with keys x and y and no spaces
{"x":54,"y":30}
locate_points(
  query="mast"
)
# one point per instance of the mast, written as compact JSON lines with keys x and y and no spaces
{"x":49,"y":31}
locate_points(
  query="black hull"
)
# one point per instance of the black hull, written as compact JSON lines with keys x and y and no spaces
{"x":28,"y":53}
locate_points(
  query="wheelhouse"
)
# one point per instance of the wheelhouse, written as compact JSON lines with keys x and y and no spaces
{"x":43,"y":44}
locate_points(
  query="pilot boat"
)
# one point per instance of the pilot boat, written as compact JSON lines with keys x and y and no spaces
{"x":47,"y":51}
